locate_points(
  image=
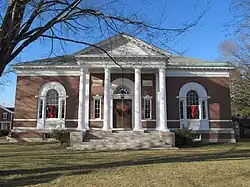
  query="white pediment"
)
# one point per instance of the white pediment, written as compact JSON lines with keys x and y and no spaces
{"x":124,"y":45}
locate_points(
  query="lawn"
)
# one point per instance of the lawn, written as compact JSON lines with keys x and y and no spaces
{"x":51,"y":165}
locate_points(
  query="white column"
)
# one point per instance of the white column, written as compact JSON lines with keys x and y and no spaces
{"x":137,"y":114}
{"x":106,"y":117}
{"x":162,"y":101}
{"x":157,"y":99}
{"x":87,"y":101}
{"x":81,"y":104}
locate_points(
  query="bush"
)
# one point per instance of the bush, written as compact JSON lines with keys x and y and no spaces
{"x":62,"y":136}
{"x":4,"y":133}
{"x":184,"y":136}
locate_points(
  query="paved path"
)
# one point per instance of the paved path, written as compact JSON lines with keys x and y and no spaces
{"x":3,"y":140}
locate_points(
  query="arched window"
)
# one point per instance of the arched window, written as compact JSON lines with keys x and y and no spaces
{"x":192,"y":103}
{"x":193,"y":106}
{"x":52,"y":104}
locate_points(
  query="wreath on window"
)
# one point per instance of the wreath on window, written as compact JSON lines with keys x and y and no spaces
{"x":123,"y":111}
{"x":51,"y":111}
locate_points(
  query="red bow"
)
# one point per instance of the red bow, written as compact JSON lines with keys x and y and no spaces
{"x":51,"y":111}
{"x":193,"y":111}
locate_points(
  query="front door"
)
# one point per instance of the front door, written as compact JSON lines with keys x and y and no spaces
{"x":122,"y":117}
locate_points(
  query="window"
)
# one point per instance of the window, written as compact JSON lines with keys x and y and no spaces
{"x":5,"y":115}
{"x":40,"y":108}
{"x":63,"y":109}
{"x":122,"y":90}
{"x":197,"y":137}
{"x":181,"y":110}
{"x":192,"y":100}
{"x":52,"y":99}
{"x":147,"y":107}
{"x":97,"y":107}
{"x":51,"y":106}
{"x":204,"y":114}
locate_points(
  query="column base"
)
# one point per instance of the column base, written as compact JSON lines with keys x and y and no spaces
{"x":106,"y":129}
{"x":80,"y":129}
{"x":138,"y":130}
{"x":163,"y":130}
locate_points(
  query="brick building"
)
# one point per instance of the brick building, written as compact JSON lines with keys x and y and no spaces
{"x":140,"y":88}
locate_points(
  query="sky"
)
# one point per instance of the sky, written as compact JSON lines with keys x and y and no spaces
{"x":200,"y":42}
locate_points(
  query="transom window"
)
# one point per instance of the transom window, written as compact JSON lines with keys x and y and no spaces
{"x":122,"y":90}
{"x":192,"y":100}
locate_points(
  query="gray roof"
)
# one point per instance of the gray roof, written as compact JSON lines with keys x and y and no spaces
{"x":65,"y":60}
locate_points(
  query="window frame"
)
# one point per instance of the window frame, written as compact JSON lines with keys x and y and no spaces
{"x":198,"y":105}
{"x":202,"y":96}
{"x":42,"y":121}
{"x":147,"y":98}
{"x":97,"y":98}
{"x":5,"y":115}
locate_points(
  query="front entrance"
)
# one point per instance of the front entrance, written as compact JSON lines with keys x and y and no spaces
{"x":122,"y":116}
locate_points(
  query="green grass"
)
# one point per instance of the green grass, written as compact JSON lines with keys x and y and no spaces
{"x":51,"y":165}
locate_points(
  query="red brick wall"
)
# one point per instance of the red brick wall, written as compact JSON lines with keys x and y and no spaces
{"x":27,"y":89}
{"x":217,"y":88}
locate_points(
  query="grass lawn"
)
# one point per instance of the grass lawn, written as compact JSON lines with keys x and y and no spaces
{"x":51,"y":165}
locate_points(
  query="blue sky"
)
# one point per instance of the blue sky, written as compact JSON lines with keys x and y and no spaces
{"x":200,"y":42}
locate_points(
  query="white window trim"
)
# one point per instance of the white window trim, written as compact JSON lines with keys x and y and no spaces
{"x":5,"y":115}
{"x":201,"y":91}
{"x":147,"y":97}
{"x":42,"y":96}
{"x":97,"y":97}
{"x":197,"y":137}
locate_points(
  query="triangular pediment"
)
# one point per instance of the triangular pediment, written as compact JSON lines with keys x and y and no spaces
{"x":123,"y":45}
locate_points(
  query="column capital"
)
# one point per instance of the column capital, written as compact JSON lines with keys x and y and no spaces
{"x":137,"y":70}
{"x":163,"y":69}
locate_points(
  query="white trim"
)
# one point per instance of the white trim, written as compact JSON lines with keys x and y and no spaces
{"x":216,"y":129}
{"x":24,"y":119}
{"x":2,"y":107}
{"x":45,"y":72}
{"x":96,"y":119}
{"x":220,"y":121}
{"x":197,"y":73}
{"x":71,"y":119}
{"x":24,"y":128}
{"x":148,"y":120}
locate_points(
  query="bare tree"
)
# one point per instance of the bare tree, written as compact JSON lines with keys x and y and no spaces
{"x":24,"y":21}
{"x":237,"y":51}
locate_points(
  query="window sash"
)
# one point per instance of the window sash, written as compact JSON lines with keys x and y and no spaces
{"x":181,"y":109}
{"x":147,"y":108}
{"x":5,"y":115}
{"x":97,"y":108}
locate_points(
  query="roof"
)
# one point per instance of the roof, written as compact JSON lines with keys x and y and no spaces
{"x":7,"y":109}
{"x":123,"y":46}
{"x":65,"y":60}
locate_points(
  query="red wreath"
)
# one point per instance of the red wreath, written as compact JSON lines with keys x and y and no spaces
{"x":51,"y":111}
{"x":193,"y":111}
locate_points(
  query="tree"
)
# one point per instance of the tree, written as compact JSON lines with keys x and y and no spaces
{"x":237,"y":51}
{"x":24,"y":21}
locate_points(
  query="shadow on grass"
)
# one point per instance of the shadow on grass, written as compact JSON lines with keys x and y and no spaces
{"x":43,"y":175}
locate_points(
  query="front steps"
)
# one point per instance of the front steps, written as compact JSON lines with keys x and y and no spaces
{"x":121,"y":140}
